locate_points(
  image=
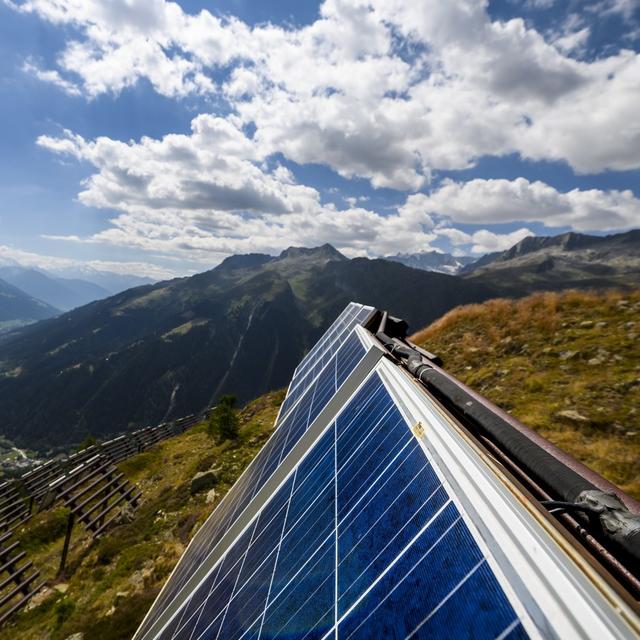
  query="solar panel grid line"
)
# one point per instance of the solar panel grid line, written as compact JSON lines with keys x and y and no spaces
{"x":365,"y":463}
{"x":238,"y":486}
{"x":253,"y":543}
{"x":446,"y":598}
{"x":508,"y":629}
{"x":343,"y":319}
{"x":334,"y":489}
{"x":214,"y":583}
{"x":201,"y":609}
{"x":233,"y":573}
{"x":389,"y":464}
{"x":301,"y":497}
{"x":392,"y":540}
{"x":398,"y":557}
{"x":351,"y":384}
{"x":320,"y":344}
{"x":353,"y":549}
{"x":327,"y":345}
{"x":412,"y":417}
{"x":346,"y":345}
{"x":336,"y":526}
{"x":226,"y":609}
{"x":309,"y":597}
{"x":352,"y":345}
{"x":297,"y":390}
{"x":391,"y":566}
{"x":317,"y":557}
{"x":256,"y":485}
{"x":225,"y":504}
{"x":524,"y":551}
{"x":284,"y":525}
{"x":409,"y":532}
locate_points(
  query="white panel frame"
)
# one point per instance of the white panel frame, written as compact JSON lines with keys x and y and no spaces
{"x":556,"y":593}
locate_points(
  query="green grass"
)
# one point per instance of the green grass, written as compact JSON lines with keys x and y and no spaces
{"x":550,"y":353}
{"x":111,"y":583}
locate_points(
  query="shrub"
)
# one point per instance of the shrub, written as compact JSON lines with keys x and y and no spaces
{"x":45,"y":529}
{"x":224,"y":422}
{"x":89,"y":441}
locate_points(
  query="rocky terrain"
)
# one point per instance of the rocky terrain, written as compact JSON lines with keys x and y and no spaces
{"x":109,"y":585}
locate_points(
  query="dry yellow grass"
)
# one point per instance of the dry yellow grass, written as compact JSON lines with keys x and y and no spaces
{"x":550,"y":353}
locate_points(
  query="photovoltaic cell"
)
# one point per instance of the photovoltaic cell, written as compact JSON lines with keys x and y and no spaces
{"x":362,"y":540}
{"x":314,"y":361}
{"x":328,"y":336}
{"x":309,"y":403}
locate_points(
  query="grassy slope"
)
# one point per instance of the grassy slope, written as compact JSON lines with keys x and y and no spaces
{"x":548,"y":354}
{"x":520,"y":354}
{"x":111,"y":584}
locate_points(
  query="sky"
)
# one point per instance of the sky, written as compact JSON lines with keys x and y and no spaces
{"x":156,"y":138}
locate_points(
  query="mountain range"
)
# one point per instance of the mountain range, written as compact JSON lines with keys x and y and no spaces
{"x":61,"y":293}
{"x":18,"y":307}
{"x":433,"y":261}
{"x":53,"y":293}
{"x":570,"y":260}
{"x":168,"y":349}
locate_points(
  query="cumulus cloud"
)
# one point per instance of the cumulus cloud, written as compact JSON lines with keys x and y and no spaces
{"x":387,"y":90}
{"x":211,"y":193}
{"x":627,"y":8}
{"x":485,"y":241}
{"x":51,"y":76}
{"x":519,"y":200}
{"x":382,"y":89}
{"x":213,"y":168}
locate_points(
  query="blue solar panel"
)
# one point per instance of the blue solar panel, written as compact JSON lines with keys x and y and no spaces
{"x":354,"y":314}
{"x":362,"y":540}
{"x":291,"y":426}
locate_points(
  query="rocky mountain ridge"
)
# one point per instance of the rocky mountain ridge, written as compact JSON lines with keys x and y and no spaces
{"x":169,"y":349}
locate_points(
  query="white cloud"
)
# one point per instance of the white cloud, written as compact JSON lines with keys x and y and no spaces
{"x":345,"y":92}
{"x":209,"y":194}
{"x":624,"y":7}
{"x":486,"y":241}
{"x":479,"y":201}
{"x":456,"y":236}
{"x":12,"y":256}
{"x":483,"y":241}
{"x":388,"y":90}
{"x":540,"y":4}
{"x":52,"y":77}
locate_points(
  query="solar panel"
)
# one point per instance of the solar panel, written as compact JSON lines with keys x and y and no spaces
{"x":291,"y":426}
{"x":341,"y":538}
{"x":353,"y":315}
{"x":369,"y":514}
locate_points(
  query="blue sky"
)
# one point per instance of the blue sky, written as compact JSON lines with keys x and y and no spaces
{"x":157,"y":138}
